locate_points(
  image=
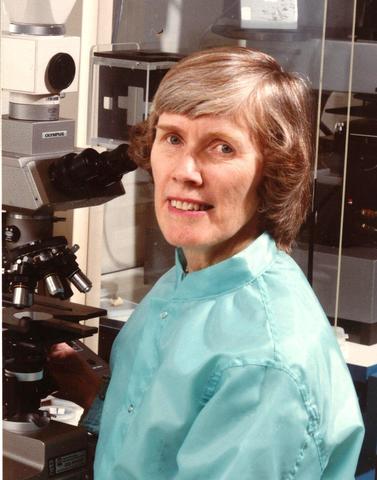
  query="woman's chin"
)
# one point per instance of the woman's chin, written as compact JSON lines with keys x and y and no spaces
{"x":184,"y":241}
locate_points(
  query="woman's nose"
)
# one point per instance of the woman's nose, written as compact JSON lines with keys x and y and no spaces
{"x":187,"y":170}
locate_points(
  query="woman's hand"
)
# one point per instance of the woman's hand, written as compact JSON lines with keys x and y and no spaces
{"x":75,"y":380}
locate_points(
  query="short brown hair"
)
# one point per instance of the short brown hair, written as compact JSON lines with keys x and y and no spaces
{"x":277,"y":107}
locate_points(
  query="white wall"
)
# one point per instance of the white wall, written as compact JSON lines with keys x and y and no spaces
{"x":4,"y":28}
{"x":96,"y":28}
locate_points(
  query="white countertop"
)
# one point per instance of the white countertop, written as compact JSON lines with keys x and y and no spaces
{"x":361,"y":355}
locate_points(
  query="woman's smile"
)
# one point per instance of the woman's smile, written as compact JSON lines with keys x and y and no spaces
{"x":186,"y":205}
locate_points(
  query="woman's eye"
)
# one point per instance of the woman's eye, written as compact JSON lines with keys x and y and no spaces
{"x":224,"y":148}
{"x":173,"y":139}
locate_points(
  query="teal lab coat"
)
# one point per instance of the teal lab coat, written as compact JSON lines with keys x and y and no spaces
{"x":229,"y":373}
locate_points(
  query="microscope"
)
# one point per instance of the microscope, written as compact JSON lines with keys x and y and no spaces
{"x":43,"y":173}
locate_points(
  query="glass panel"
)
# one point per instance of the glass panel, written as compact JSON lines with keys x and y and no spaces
{"x":355,"y":139}
{"x":343,"y":235}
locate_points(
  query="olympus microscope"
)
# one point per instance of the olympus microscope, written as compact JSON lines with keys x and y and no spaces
{"x":41,"y":173}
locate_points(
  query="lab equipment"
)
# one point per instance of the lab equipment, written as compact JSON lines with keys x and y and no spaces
{"x":42,"y":173}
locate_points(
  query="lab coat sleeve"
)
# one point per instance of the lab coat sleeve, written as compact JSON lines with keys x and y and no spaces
{"x":92,"y":419}
{"x":257,"y":425}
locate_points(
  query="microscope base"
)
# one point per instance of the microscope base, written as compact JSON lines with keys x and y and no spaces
{"x":56,"y":451}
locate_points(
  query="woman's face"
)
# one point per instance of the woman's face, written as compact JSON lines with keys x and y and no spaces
{"x":206,"y":172}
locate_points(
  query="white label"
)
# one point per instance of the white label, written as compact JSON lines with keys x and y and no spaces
{"x":70,"y":461}
{"x":54,"y":98}
{"x":108,"y":103}
{"x":57,"y":134}
{"x":246,"y":13}
{"x":269,"y":14}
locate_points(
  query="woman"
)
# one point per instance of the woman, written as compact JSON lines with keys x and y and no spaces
{"x":228,"y":369}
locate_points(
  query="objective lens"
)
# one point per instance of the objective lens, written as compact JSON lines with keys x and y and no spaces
{"x":54,"y":285}
{"x":22,"y":296}
{"x":81,"y":282}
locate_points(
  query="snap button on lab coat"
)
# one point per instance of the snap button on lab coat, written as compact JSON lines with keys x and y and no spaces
{"x":163,"y":315}
{"x":130,"y":408}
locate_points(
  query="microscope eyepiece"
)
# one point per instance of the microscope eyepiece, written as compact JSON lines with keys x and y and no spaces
{"x":77,"y":173}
